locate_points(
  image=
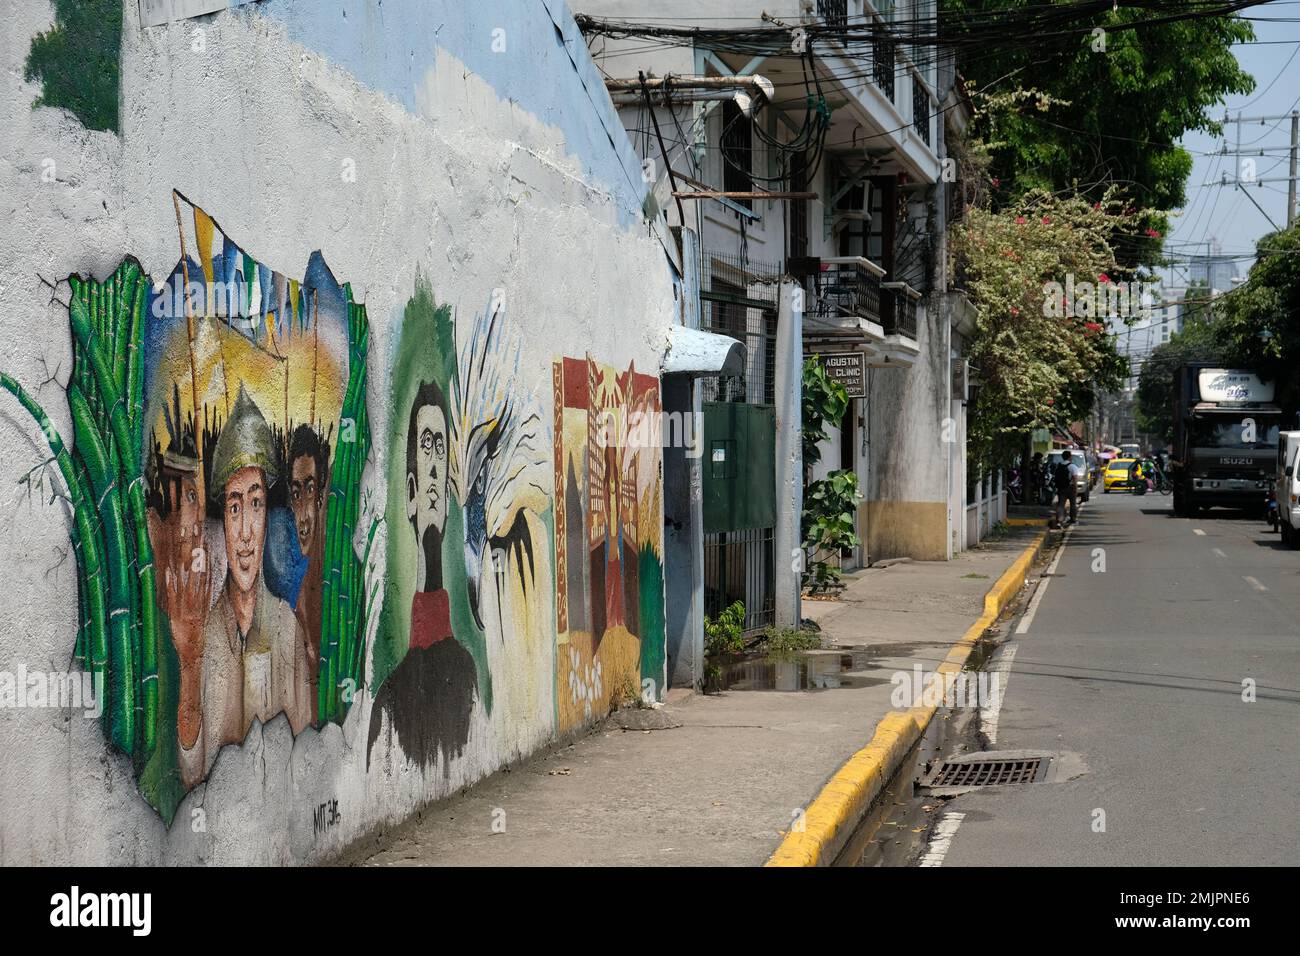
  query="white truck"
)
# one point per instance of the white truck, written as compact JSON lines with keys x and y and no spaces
{"x":1287,"y":487}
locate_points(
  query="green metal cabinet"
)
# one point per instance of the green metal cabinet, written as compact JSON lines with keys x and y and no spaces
{"x":739,"y":467}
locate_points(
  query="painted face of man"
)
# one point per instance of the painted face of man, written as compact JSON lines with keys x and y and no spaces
{"x":244,"y":515}
{"x":189,"y":507}
{"x":304,"y":498}
{"x":426,"y":489}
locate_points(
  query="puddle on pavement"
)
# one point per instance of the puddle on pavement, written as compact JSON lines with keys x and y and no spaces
{"x":807,"y":670}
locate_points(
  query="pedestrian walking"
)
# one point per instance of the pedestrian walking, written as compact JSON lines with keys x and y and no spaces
{"x":1063,"y":479}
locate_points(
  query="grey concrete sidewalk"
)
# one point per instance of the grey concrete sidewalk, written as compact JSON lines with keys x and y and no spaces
{"x":719,"y":783}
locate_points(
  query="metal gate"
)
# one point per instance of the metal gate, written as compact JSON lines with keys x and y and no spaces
{"x":739,"y":299}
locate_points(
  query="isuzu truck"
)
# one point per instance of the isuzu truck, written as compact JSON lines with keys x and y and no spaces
{"x":1225,"y":439}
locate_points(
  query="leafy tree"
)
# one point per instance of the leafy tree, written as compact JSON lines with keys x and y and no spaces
{"x":1100,"y":117}
{"x":1196,"y":342}
{"x":1041,"y":360}
{"x":1258,"y":324}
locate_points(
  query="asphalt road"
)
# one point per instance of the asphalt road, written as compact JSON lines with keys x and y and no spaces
{"x":1133,"y":676}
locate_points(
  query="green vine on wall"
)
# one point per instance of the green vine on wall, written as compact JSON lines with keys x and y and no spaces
{"x":78,"y":61}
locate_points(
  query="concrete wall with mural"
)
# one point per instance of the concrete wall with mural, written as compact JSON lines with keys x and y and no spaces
{"x":329,"y":330}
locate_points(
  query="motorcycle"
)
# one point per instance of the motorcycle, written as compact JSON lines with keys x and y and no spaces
{"x":1046,"y":494}
{"x":1015,"y":487}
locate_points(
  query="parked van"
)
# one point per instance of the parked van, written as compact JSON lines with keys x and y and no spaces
{"x":1287,"y":487}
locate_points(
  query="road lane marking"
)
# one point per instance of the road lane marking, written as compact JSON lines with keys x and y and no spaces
{"x":1219,"y":552}
{"x":944,"y":831}
{"x":1254,"y":583}
{"x":1007,"y":654}
{"x":1001,"y":673}
{"x":1043,"y":582}
{"x":1198,"y":531}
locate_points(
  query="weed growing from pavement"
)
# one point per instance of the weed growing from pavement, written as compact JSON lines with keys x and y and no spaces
{"x":784,"y":643}
{"x":999,"y":532}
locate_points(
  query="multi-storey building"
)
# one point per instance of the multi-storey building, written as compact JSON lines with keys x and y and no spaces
{"x":805,"y":141}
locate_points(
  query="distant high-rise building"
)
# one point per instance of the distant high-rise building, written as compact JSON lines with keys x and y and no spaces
{"x":1213,"y":268}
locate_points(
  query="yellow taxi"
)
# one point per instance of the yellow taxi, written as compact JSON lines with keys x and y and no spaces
{"x":1117,"y":474}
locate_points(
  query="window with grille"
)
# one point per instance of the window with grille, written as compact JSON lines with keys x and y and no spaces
{"x":737,"y":152}
{"x":921,"y":109}
{"x":798,"y":207}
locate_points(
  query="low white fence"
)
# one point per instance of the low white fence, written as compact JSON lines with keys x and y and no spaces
{"x":988,"y":508}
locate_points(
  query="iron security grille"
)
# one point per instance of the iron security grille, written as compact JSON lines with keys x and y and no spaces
{"x":739,"y":299}
{"x":738,"y":566}
{"x":834,"y":12}
{"x":882,"y":65}
{"x":921,"y":109}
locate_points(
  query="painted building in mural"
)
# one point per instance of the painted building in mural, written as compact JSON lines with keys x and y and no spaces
{"x":328,"y":334}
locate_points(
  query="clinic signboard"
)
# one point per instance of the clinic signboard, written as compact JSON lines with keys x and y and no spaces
{"x":848,"y":369}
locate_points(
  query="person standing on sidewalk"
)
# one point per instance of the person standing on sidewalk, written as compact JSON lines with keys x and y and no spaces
{"x":1063,"y":478}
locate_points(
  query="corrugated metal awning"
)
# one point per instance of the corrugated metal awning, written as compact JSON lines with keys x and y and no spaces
{"x":693,"y":352}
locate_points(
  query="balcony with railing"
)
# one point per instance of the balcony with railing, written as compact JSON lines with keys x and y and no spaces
{"x":847,"y":292}
{"x":898,"y":309}
{"x":834,"y":12}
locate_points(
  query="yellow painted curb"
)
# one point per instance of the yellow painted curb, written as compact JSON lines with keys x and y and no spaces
{"x":833,"y":815}
{"x":1024,"y":522}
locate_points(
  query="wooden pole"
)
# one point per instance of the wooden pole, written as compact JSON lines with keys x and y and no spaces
{"x":725,"y":194}
{"x":189,"y":329}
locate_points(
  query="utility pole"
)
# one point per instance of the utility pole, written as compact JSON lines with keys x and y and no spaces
{"x":1240,"y":181}
{"x":1290,"y":188}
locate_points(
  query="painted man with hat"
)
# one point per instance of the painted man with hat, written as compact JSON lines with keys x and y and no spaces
{"x":251,"y":658}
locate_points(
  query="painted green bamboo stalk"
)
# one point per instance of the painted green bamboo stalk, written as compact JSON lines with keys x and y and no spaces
{"x":131,"y":478}
{"x":82,"y":651}
{"x":123,"y":319}
{"x":355,"y":584}
{"x":117,"y":559}
{"x":86,"y":539}
{"x":342,"y":620}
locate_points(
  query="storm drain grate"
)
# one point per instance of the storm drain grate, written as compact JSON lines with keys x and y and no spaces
{"x":988,"y":773}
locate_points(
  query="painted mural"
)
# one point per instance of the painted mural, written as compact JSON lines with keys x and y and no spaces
{"x":484,"y":577}
{"x":225,"y":563}
{"x":220,"y":430}
{"x":465,"y":638}
{"x":609,"y":539}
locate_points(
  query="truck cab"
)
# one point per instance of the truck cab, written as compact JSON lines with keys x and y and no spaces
{"x":1226,"y":431}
